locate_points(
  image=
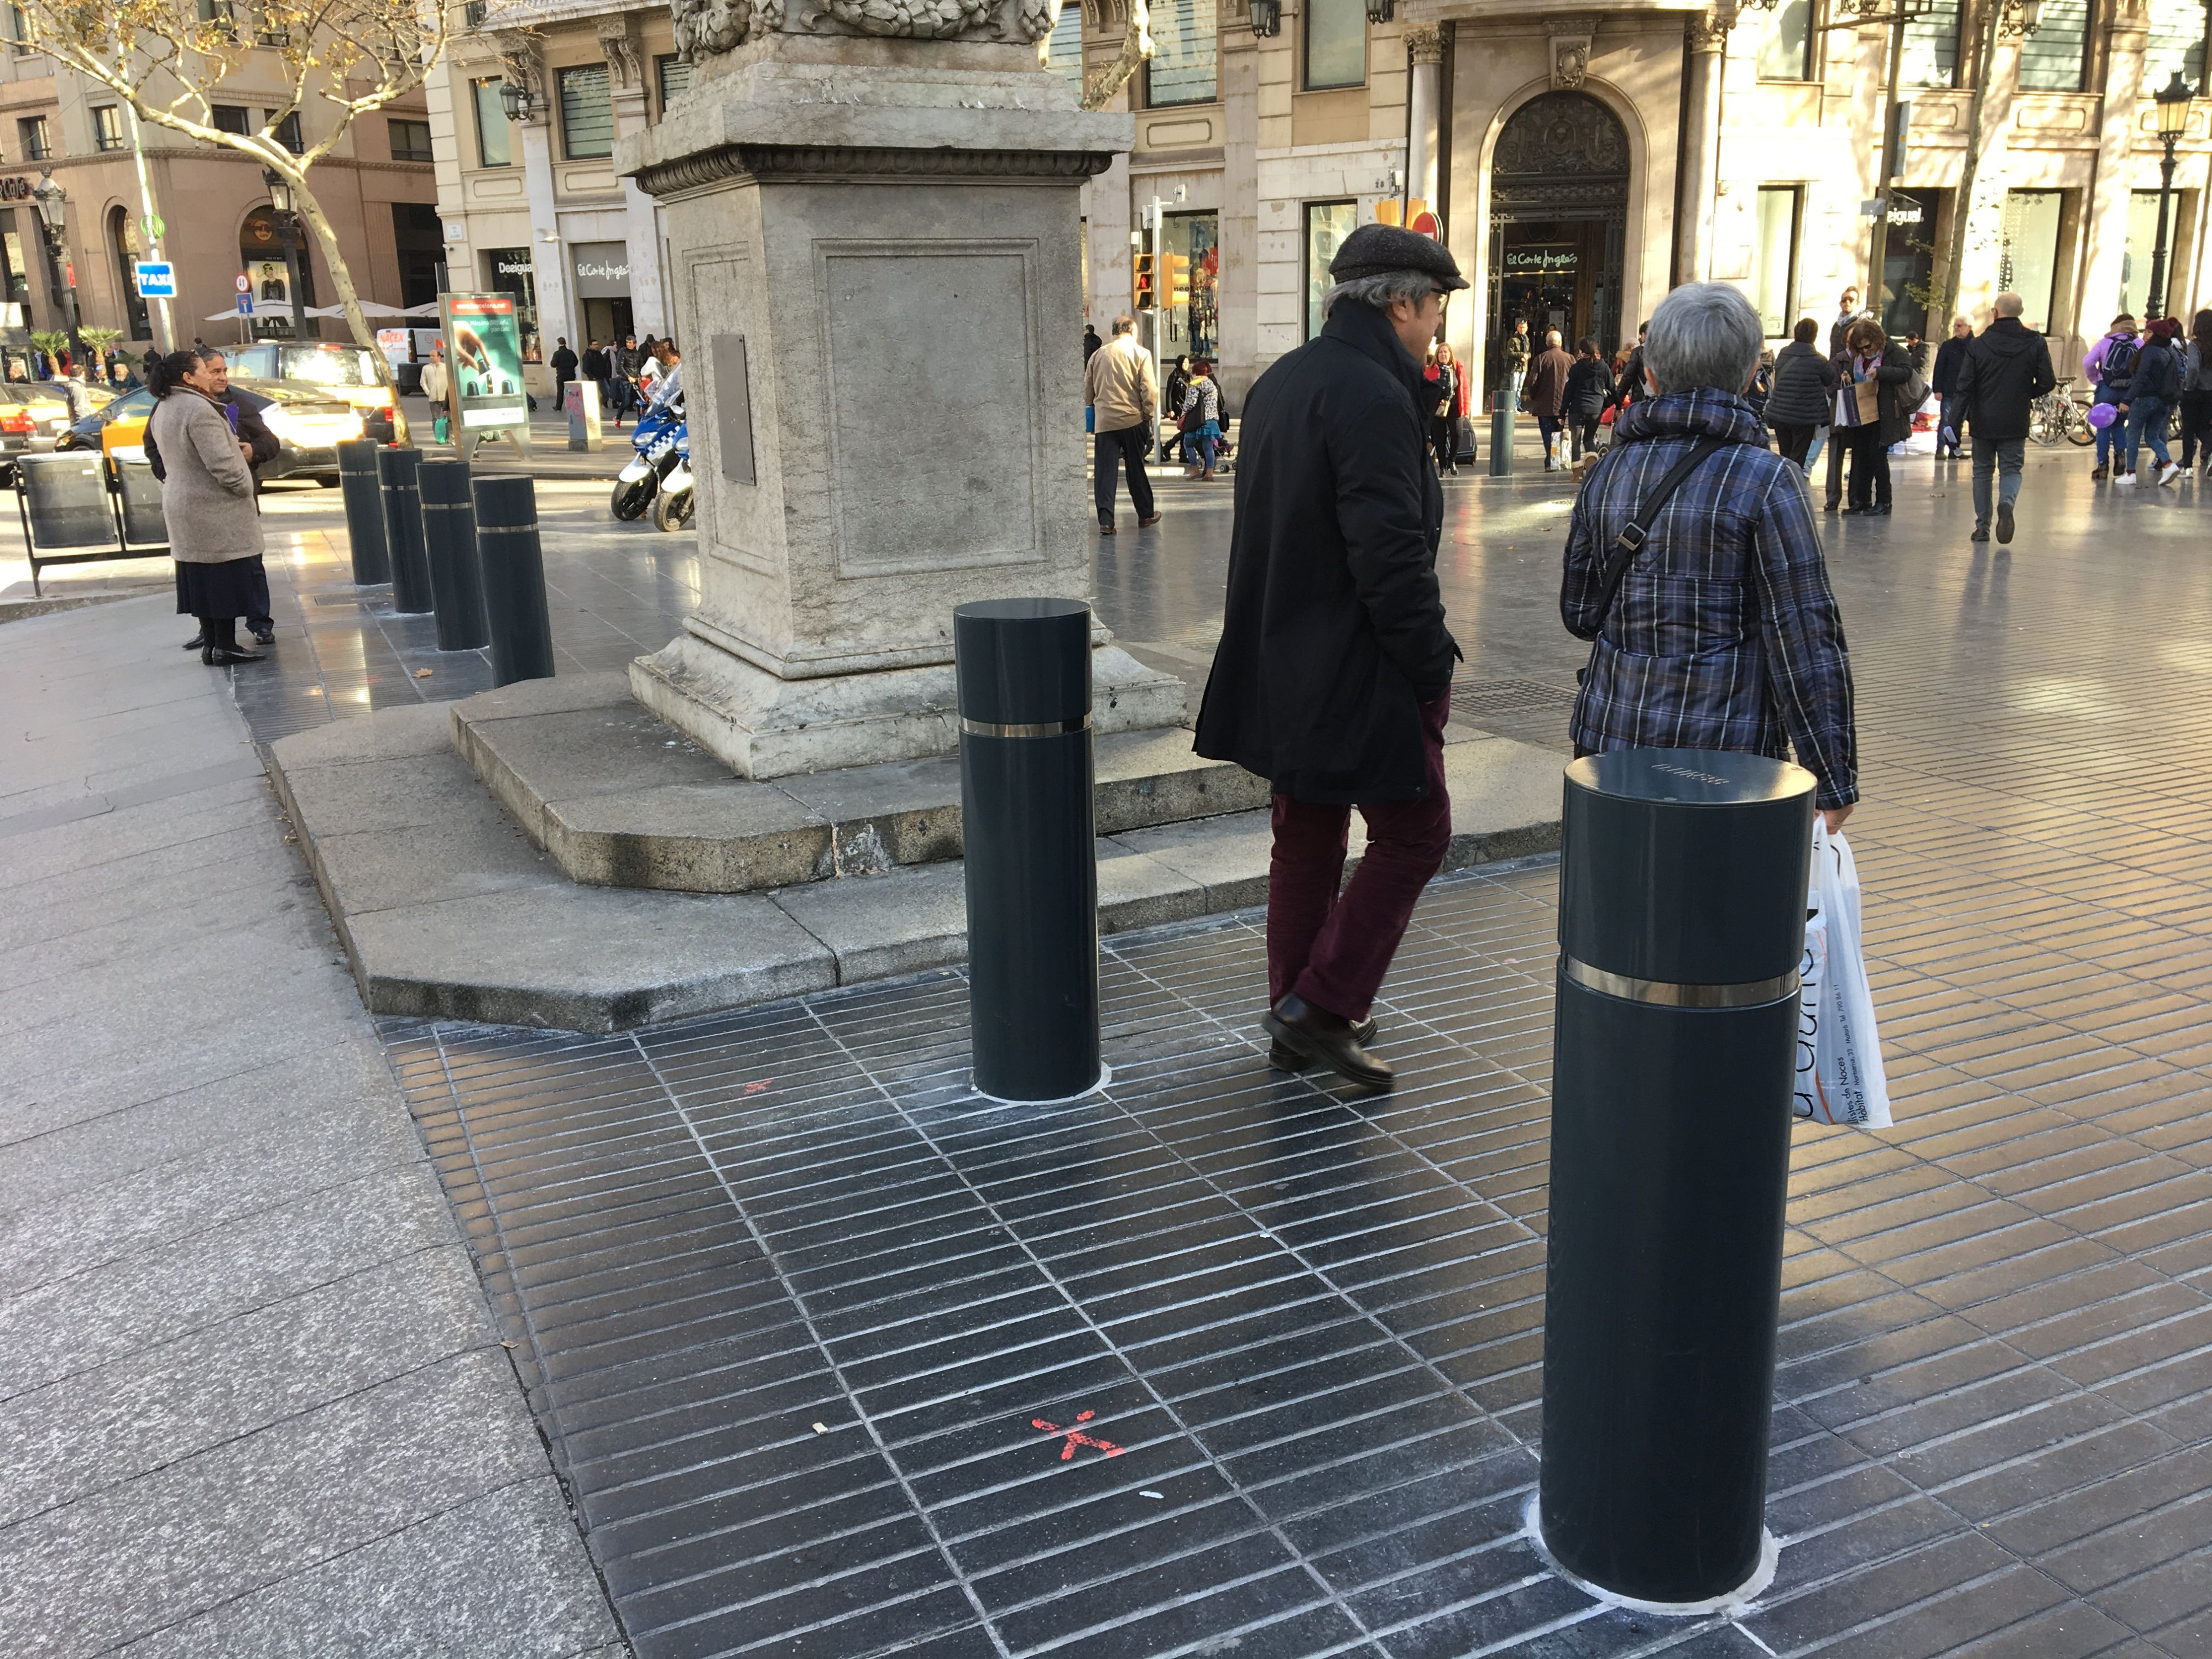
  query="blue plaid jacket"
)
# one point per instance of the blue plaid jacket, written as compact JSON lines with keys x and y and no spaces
{"x":1725,"y":634}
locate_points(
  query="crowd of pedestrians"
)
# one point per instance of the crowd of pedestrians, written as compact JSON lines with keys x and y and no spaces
{"x":623,"y":371}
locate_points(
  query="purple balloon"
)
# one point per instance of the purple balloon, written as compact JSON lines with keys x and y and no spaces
{"x":2102,"y":416}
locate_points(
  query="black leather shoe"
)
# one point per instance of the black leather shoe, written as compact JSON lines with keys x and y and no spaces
{"x":1833,"y":507}
{"x":1981,"y":533}
{"x":2004,"y":522}
{"x":1282,"y":1057}
{"x":197,"y":641}
{"x":1320,"y":1035}
{"x":266,"y":634}
{"x":223,"y":656}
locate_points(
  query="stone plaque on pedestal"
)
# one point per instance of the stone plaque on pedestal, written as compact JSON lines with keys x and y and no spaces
{"x":874,"y":248}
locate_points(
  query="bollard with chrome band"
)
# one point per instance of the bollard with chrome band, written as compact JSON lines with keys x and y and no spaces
{"x":1023,"y":672}
{"x":403,"y":529}
{"x":512,"y":567}
{"x":449,"y":543}
{"x":1501,"y":433}
{"x":364,"y":511}
{"x":1682,"y":884}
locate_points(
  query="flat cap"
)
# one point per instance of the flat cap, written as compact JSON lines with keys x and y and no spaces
{"x":1377,"y":250}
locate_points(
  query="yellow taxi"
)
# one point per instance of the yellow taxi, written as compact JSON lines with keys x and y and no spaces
{"x":344,"y":372}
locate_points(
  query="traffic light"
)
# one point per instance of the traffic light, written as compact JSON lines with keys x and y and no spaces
{"x":1144,"y":297}
{"x":1177,"y":285}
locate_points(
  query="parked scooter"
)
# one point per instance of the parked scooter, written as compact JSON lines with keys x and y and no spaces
{"x":654,"y":443}
{"x":671,"y":507}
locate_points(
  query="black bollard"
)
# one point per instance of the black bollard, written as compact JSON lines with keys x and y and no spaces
{"x":403,"y":529}
{"x":1682,"y":886}
{"x":1023,"y":669}
{"x":364,"y":511}
{"x":449,"y":541}
{"x":513,"y":573}
{"x":1501,"y":434}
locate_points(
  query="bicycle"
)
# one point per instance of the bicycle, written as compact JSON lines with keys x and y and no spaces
{"x":2056,"y":418}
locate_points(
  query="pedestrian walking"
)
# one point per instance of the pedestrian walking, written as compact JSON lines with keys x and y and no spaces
{"x":1847,"y":311}
{"x":1172,"y":446}
{"x":2196,"y":395}
{"x":435,"y":384}
{"x":1456,"y":421}
{"x":2006,"y":369}
{"x":1199,"y":419}
{"x":207,"y":498}
{"x":564,"y":364}
{"x":1442,"y":377}
{"x":1333,"y":679}
{"x":2110,"y":366}
{"x":1545,"y":395}
{"x":1950,"y":358}
{"x":1518,"y":350}
{"x":1802,"y":392}
{"x":1871,"y":413}
{"x":627,"y":360}
{"x":1118,"y":384}
{"x":2153,"y":389}
{"x":1590,"y":389}
{"x":1090,"y":340}
{"x":1720,"y":631}
{"x":1628,"y":386}
{"x":594,"y":367}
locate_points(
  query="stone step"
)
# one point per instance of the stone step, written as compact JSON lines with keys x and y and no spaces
{"x":447,"y":910}
{"x":618,"y":799}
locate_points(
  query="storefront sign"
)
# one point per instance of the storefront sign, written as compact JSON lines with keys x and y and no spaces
{"x":484,"y":349}
{"x":1545,"y":256}
{"x":15,"y":190}
{"x":602,"y":269}
{"x":505,"y":266}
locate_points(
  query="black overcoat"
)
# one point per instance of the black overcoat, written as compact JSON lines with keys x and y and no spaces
{"x":1333,"y":634}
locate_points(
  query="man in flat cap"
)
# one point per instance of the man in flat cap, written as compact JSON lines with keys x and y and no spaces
{"x":1334,"y":676}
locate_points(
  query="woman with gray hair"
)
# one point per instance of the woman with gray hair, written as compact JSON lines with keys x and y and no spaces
{"x":1719,"y":630}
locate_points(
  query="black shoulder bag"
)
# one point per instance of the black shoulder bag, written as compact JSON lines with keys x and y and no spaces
{"x":1637,"y":530}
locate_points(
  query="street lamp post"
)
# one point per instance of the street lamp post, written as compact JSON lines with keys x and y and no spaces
{"x":287,"y":232}
{"x":2172,"y":101}
{"x":53,"y":220}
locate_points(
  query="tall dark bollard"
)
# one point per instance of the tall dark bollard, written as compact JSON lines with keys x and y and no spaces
{"x":1023,"y":667}
{"x":1682,"y":888}
{"x":449,"y":541}
{"x":513,"y":571}
{"x":1501,"y":433}
{"x":364,"y":511}
{"x":395,"y":471}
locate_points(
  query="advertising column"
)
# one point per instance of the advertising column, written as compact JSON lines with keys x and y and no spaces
{"x":485,"y":394}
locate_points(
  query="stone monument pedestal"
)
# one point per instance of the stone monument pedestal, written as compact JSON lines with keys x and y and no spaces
{"x":874,"y":248}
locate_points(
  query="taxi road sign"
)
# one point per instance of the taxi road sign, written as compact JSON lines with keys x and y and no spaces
{"x":157,"y":281}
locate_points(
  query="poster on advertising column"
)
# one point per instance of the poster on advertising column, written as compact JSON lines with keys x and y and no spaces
{"x":484,"y":361}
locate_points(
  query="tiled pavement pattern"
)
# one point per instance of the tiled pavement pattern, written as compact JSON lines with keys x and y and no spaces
{"x":793,"y":1305}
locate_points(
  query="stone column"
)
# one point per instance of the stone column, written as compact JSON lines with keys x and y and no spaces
{"x":1424,"y":44}
{"x":625,"y":51}
{"x":873,"y":251}
{"x":522,"y":65}
{"x":1239,"y":294}
{"x":2105,"y":223}
{"x":1706,"y":37}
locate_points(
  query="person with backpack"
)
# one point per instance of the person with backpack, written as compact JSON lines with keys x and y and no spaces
{"x":2196,"y":396}
{"x":2109,"y":366}
{"x":1717,"y":629}
{"x":2154,"y":388}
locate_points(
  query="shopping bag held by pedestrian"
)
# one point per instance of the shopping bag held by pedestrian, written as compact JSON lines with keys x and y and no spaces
{"x":1839,"y":1074}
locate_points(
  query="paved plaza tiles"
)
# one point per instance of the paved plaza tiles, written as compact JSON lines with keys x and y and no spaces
{"x":834,"y":1358}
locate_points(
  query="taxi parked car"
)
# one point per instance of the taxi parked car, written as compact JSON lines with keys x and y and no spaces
{"x":44,"y":402}
{"x":309,"y":424}
{"x":344,"y":372}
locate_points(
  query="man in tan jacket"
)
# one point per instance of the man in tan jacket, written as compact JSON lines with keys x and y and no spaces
{"x":1118,"y":385}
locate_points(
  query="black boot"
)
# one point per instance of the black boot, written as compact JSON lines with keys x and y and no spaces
{"x":222,"y":649}
{"x":1316,"y":1034}
{"x":1283,"y":1058}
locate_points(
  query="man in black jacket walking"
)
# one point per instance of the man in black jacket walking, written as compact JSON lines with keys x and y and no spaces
{"x":1333,"y":679}
{"x":2007,"y":369}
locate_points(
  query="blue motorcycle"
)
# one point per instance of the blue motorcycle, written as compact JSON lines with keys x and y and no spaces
{"x":655,"y":440}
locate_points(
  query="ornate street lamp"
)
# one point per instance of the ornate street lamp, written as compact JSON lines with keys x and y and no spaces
{"x":1382,"y":11}
{"x":2172,"y":100}
{"x":1266,"y":18}
{"x":53,"y":220}
{"x":519,"y":102}
{"x":287,"y":232}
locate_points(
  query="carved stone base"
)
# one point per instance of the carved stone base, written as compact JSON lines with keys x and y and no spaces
{"x":765,"y":727}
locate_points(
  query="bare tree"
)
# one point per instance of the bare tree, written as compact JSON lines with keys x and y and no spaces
{"x":170,"y":60}
{"x":1098,"y":90}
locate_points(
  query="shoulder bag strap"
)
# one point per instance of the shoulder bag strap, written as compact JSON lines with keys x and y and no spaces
{"x":1637,"y":530}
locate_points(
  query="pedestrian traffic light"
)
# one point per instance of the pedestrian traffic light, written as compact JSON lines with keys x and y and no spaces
{"x":1176,"y":286}
{"x":1145,"y":298}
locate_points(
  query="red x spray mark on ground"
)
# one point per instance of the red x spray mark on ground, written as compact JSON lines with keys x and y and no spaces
{"x":1076,"y":1437}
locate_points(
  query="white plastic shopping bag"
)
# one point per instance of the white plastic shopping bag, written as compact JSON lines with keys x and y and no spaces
{"x":1839,"y":1075}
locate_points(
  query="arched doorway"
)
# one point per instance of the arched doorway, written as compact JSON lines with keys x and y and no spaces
{"x":136,"y":324}
{"x":261,"y":257}
{"x":1558,"y":222}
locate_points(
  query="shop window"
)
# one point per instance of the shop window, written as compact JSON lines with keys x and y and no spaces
{"x":1328,"y":223}
{"x":2053,"y":58}
{"x":1336,"y":42}
{"x":492,"y":148}
{"x":509,"y":271}
{"x":2136,"y":260}
{"x":1064,"y":56}
{"x":107,"y":126}
{"x":1908,"y":265}
{"x":2027,"y":263}
{"x":1194,"y":326}
{"x":1774,"y":259}
{"x":673,"y":77}
{"x":411,"y":140}
{"x":1785,"y":51}
{"x":587,"y":113}
{"x":1181,"y":69}
{"x":2176,"y":41}
{"x":1931,"y":46}
{"x":37,"y":145}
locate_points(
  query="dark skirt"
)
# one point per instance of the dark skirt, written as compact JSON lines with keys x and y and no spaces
{"x":236,"y":588}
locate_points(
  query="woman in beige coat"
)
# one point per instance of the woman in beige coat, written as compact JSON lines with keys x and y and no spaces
{"x":207,"y":499}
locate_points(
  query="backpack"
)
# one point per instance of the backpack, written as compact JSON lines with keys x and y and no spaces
{"x":2119,"y":372}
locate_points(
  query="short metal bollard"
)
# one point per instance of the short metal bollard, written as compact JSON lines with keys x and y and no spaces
{"x":514,"y":574}
{"x":449,"y":541}
{"x":364,"y":512}
{"x":1501,"y":434}
{"x":1022,"y":671}
{"x":1682,"y":887}
{"x":403,"y":529}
